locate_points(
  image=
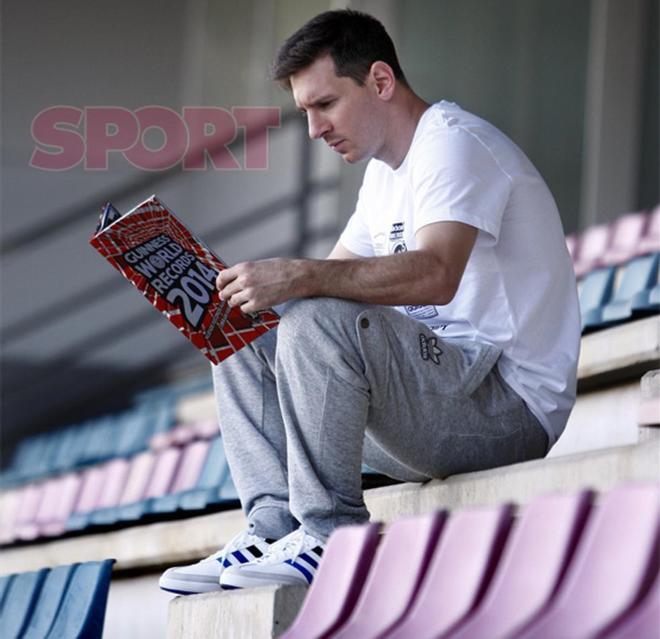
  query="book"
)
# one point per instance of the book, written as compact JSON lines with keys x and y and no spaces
{"x":176,"y":273}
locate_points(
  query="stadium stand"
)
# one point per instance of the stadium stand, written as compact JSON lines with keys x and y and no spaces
{"x":65,"y":601}
{"x":151,"y":485}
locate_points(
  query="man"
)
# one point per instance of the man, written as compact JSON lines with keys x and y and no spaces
{"x":440,"y":337}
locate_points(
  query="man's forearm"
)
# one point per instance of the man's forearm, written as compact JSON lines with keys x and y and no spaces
{"x":415,"y":277}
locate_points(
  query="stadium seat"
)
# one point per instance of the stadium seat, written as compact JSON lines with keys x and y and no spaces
{"x":615,"y":558}
{"x":51,"y":595}
{"x":58,"y":503}
{"x":650,"y":240}
{"x":10,"y":501}
{"x":338,"y":582}
{"x":189,"y":470}
{"x":593,"y":245}
{"x":82,"y":611}
{"x":627,"y":232}
{"x":5,"y":581}
{"x":162,"y":477}
{"x":139,"y":474}
{"x":461,"y":567}
{"x":213,"y":483}
{"x":643,"y":622}
{"x":19,"y":602}
{"x":27,"y":511}
{"x":533,"y":562}
{"x":637,"y":279}
{"x":398,"y":567}
{"x":66,"y":602}
{"x":90,"y":493}
{"x":595,"y":290}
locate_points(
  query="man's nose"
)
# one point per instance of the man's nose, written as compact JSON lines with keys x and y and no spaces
{"x":317,"y":125}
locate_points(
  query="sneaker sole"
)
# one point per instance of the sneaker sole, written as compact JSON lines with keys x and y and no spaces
{"x":181,"y":587}
{"x":235,"y":582}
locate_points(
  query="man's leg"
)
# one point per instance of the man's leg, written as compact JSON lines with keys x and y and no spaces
{"x":429,"y":408}
{"x":254,"y":436}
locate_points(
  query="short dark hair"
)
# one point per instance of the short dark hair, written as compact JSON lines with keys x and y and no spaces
{"x":353,"y":39}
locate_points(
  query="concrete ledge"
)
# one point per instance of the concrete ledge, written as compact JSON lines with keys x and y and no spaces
{"x":619,"y":353}
{"x":246,"y":614}
{"x":171,"y":543}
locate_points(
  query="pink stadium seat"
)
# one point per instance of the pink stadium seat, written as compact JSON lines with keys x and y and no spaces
{"x":57,"y":505}
{"x":627,"y":232}
{"x":399,"y":565}
{"x":650,"y":240}
{"x":92,"y":486}
{"x":643,"y":622}
{"x":190,"y":467}
{"x":613,"y":562}
{"x":10,"y":501}
{"x":533,"y":562}
{"x":65,"y":503}
{"x":461,"y":567}
{"x":139,"y":475}
{"x":25,"y":526}
{"x":593,"y":245}
{"x":167,"y":462}
{"x":115,"y":480}
{"x":338,"y":582}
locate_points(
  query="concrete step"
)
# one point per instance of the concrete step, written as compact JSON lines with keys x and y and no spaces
{"x":152,"y":546}
{"x":242,"y":614}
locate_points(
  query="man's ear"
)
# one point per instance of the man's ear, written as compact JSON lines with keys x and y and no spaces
{"x":382,"y":79}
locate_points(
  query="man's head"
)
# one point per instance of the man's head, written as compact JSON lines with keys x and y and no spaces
{"x":344,"y":75}
{"x":353,"y":40}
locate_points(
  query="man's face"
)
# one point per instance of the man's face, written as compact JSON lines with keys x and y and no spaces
{"x":339,"y":111}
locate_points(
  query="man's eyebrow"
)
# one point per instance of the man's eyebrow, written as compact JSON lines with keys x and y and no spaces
{"x":317,"y":101}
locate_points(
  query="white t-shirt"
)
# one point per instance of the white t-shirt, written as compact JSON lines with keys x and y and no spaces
{"x":518,"y":291}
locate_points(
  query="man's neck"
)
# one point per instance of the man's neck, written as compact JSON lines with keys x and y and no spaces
{"x":407,"y":110}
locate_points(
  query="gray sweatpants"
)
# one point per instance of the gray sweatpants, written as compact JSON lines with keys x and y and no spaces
{"x":338,"y":383}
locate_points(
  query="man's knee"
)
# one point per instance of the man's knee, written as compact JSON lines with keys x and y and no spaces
{"x":308,"y":319}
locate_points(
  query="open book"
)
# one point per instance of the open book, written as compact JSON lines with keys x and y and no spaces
{"x":176,"y":272}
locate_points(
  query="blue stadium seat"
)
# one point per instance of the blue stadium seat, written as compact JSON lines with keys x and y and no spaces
{"x":595,"y":290}
{"x":50,"y":598}
{"x":5,"y":581}
{"x":19,"y":602}
{"x":82,"y":611}
{"x":639,"y":276}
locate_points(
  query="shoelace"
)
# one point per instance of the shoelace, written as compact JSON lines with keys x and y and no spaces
{"x":244,"y":538}
{"x":289,"y":547}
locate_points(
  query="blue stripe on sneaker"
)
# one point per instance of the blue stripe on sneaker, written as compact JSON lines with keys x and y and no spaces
{"x":304,"y":571}
{"x":226,"y":563}
{"x":309,"y":560}
{"x":240,"y":556}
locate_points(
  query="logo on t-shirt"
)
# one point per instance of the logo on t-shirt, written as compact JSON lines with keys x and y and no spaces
{"x":421,"y":312}
{"x":397,"y":243}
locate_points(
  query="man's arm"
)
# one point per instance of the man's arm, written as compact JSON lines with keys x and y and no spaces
{"x":428,"y":275}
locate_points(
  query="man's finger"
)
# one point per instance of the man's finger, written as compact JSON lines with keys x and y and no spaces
{"x":224,"y":277}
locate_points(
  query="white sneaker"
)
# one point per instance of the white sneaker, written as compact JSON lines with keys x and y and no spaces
{"x":204,"y":576}
{"x":294,"y":559}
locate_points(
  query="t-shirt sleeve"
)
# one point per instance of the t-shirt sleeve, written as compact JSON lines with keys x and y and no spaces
{"x":356,"y":236}
{"x":456,"y":178}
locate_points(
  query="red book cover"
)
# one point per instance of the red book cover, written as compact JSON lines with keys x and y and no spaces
{"x":176,"y":272}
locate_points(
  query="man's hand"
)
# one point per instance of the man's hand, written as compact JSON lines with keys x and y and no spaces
{"x":254,"y":286}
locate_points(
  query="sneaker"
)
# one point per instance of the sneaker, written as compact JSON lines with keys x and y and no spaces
{"x":204,"y":576}
{"x":294,"y":559}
